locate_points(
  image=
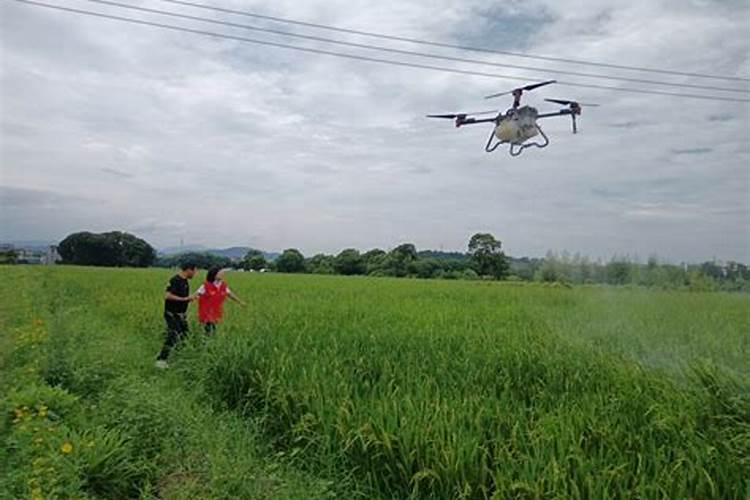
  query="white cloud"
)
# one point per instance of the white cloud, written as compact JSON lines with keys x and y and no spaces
{"x":180,"y":136}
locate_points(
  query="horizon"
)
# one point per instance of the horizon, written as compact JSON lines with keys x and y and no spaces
{"x":201,"y":248}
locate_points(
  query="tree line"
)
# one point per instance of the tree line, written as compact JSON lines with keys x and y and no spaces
{"x":483,"y":259}
{"x":577,"y":269}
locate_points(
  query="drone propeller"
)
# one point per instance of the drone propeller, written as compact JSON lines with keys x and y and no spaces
{"x":450,"y":117}
{"x":570,"y":103}
{"x":531,"y":86}
{"x":575,"y":109}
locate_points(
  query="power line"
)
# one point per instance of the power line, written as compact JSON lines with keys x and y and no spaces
{"x":451,"y":46}
{"x":409,"y":52}
{"x":364,"y":58}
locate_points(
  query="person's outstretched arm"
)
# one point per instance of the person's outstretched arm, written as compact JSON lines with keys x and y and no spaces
{"x":232,"y":296}
{"x":177,"y":298}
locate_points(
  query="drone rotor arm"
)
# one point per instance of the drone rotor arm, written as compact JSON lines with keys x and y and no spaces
{"x":562,"y":112}
{"x":472,"y":121}
{"x":462,"y":119}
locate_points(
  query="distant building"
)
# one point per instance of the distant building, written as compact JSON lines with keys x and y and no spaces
{"x":52,"y":256}
{"x":27,"y":256}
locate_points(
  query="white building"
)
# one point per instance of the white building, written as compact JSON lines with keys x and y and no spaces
{"x":51,"y":257}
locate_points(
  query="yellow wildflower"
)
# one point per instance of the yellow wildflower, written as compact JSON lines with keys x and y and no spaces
{"x":67,"y":447}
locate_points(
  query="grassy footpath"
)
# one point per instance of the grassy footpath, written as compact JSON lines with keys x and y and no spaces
{"x":390,"y":388}
{"x":86,"y":416}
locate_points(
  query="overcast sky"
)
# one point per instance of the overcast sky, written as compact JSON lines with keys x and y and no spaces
{"x":172,"y":136}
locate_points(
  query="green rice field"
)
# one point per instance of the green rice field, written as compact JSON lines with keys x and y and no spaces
{"x":337,"y":387}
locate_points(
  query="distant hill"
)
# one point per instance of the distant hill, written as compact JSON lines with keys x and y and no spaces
{"x":181,"y":249}
{"x":232,"y":253}
{"x":33,"y":245}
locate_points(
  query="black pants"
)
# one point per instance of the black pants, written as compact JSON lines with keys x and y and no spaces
{"x":177,"y":329}
{"x":209,"y":328}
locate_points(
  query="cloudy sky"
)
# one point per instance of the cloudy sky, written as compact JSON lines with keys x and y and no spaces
{"x":175,"y":136}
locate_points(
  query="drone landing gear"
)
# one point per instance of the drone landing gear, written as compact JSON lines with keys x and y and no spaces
{"x":515,"y":148}
{"x":492,"y":147}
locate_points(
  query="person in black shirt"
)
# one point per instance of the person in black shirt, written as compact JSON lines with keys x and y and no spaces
{"x":176,"y":301}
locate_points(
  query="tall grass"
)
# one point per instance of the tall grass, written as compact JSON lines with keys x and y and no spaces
{"x":84,"y":414}
{"x":431,"y":389}
{"x":470,"y":391}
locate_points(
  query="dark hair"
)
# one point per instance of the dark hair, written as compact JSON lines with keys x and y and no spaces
{"x":211,"y":274}
{"x":187,"y":264}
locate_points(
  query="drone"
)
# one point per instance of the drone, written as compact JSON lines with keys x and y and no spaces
{"x":519,"y":124}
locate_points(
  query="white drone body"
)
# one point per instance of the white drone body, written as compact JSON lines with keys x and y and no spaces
{"x":517,"y":126}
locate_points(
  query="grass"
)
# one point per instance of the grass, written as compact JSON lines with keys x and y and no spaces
{"x":333,"y":386}
{"x":71,"y":348}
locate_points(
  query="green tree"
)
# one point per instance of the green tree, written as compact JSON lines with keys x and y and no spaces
{"x":700,"y":282}
{"x":350,"y":262}
{"x":202,"y":260}
{"x":426,"y":268}
{"x":254,"y":260}
{"x":713,"y":270}
{"x":131,"y":251}
{"x":374,"y":260}
{"x":549,"y":270}
{"x":618,"y":272}
{"x":487,"y":256}
{"x":116,"y":249}
{"x":321,"y":264}
{"x":291,"y":261}
{"x":8,"y":257}
{"x":396,"y":263}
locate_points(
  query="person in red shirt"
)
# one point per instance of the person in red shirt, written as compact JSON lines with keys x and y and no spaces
{"x":211,"y":296}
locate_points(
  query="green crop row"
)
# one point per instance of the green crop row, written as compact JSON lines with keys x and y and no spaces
{"x":83,"y":414}
{"x":409,"y":389}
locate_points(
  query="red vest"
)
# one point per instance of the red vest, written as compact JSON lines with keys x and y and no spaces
{"x":210,"y":303}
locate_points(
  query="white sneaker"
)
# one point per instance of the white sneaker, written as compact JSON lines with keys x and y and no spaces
{"x":161,"y":364}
